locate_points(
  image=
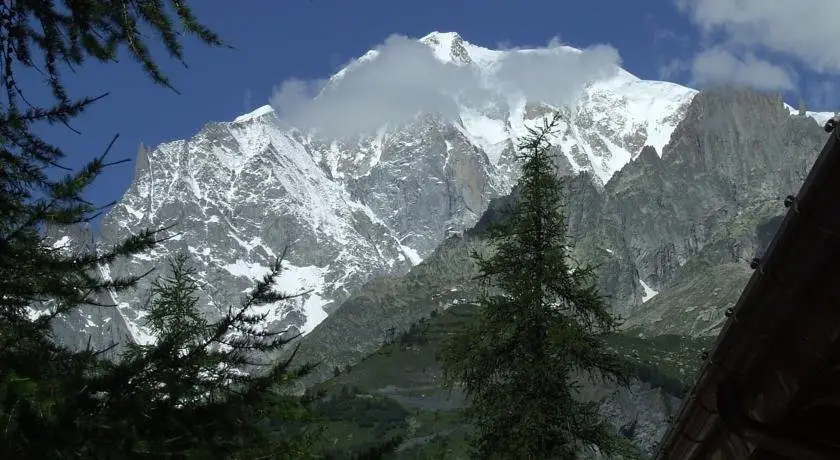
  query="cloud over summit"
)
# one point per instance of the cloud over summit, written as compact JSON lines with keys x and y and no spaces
{"x":403,"y":78}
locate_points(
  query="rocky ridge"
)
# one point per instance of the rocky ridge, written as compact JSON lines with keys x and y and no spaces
{"x":353,"y":209}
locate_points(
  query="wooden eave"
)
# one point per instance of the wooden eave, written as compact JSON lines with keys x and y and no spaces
{"x":770,"y":386}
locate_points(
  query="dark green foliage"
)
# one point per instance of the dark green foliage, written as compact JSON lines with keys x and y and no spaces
{"x":39,"y":35}
{"x":415,"y":335}
{"x":186,"y":396}
{"x":183,"y":397}
{"x":658,"y":379}
{"x":383,"y":414}
{"x":405,"y":373}
{"x":541,"y":323}
{"x":197,"y":371}
{"x":36,"y":30}
{"x":383,"y":420}
{"x":666,"y":361}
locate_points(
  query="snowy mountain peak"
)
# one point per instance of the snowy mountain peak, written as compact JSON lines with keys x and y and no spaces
{"x":450,"y":47}
{"x":441,"y":37}
{"x":355,"y":207}
{"x":257,"y":113}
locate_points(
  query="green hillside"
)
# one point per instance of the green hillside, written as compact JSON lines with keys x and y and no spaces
{"x":397,"y":391}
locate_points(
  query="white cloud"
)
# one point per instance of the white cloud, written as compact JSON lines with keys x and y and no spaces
{"x":718,"y":65}
{"x":555,"y":75}
{"x":405,"y":78}
{"x":293,"y":95}
{"x":802,"y":29}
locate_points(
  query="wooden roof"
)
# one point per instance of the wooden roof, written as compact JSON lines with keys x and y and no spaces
{"x":770,"y":387}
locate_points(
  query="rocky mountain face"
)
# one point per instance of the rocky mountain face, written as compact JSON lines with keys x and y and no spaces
{"x":695,"y":215}
{"x":351,"y":209}
{"x":102,"y":328}
{"x":721,"y":179}
{"x":672,"y":235}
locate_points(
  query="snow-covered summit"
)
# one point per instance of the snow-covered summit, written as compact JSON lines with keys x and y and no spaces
{"x":374,"y":204}
{"x":451,"y":48}
{"x":256,"y":113}
{"x":612,"y":117}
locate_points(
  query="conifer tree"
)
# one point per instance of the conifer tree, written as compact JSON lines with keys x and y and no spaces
{"x":538,"y":335}
{"x":182,"y":397}
{"x":39,"y":36}
{"x":194,"y":392}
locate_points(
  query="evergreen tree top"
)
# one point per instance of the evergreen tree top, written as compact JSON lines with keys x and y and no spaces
{"x":539,"y":333}
{"x":184,"y":396}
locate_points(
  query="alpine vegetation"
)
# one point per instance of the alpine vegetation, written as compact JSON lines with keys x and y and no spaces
{"x":539,"y":331}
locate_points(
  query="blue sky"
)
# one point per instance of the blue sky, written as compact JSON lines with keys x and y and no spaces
{"x":688,"y":41}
